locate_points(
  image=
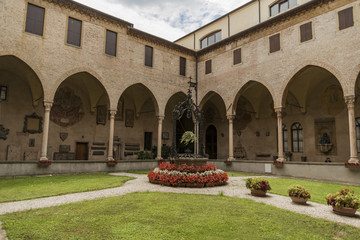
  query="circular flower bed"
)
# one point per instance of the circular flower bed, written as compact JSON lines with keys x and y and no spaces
{"x":188,"y":175}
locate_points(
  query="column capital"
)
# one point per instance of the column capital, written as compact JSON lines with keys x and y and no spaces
{"x":48,"y":105}
{"x":350,"y":100}
{"x":112,"y":112}
{"x":278,"y":109}
{"x":230,"y":116}
{"x":160,"y":117}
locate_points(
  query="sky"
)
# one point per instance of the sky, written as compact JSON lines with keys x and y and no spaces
{"x":168,"y":19}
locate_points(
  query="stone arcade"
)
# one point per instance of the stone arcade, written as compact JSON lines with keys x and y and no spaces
{"x":80,"y":88}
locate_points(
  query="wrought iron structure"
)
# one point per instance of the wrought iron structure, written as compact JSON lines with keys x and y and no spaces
{"x":192,"y":111}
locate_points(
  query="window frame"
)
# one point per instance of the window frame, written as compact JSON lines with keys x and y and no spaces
{"x":182,"y":66}
{"x":357,"y":132}
{"x":151,"y":63}
{"x":237,"y":61}
{"x":339,"y":14}
{"x":208,"y":66}
{"x":298,"y":129}
{"x":285,"y":138}
{"x":67,"y":32}
{"x":278,"y":3}
{"x":300,"y":32}
{"x":26,"y":19}
{"x":272,"y":37}
{"x":106,"y":43}
{"x":207,"y":38}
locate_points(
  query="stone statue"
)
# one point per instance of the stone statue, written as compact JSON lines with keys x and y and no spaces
{"x":325,"y":139}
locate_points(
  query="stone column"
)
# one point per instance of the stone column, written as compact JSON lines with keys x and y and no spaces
{"x":350,"y":101}
{"x":44,"y":143}
{"x":111,"y":136}
{"x":231,"y":137}
{"x":159,"y":143}
{"x":280,"y":135}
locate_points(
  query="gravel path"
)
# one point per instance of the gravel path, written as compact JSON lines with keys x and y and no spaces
{"x":235,"y":188}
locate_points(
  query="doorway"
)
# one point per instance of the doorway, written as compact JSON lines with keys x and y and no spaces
{"x":82,"y":151}
{"x":211,"y":142}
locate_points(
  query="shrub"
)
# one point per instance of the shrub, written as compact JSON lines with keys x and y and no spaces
{"x":298,"y":191}
{"x":344,"y":198}
{"x":258,"y":184}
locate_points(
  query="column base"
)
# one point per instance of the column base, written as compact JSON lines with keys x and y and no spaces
{"x":43,"y":159}
{"x":159,"y":158}
{"x":281,"y":159}
{"x":111,"y":161}
{"x":353,"y":160}
{"x":44,"y":162}
{"x":230,"y":159}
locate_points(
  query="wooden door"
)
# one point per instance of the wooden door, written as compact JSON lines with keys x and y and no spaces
{"x":81,"y":151}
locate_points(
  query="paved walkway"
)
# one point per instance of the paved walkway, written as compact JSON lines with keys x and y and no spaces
{"x":235,"y":188}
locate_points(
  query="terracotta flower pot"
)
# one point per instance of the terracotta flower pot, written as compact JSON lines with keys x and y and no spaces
{"x":299,"y":200}
{"x":258,"y":193}
{"x":345,"y":211}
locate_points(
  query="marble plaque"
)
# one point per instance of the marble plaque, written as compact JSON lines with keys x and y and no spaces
{"x":30,"y":155}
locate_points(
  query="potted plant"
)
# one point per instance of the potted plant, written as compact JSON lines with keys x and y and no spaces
{"x":188,"y":137}
{"x":258,"y":186}
{"x":298,"y":194}
{"x":344,"y":202}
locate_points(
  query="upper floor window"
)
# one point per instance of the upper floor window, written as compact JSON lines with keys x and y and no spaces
{"x":306,"y":32}
{"x":148,"y":56}
{"x":211,"y":39}
{"x":182,"y":66}
{"x":297,"y":137}
{"x":285,"y":138}
{"x":74,"y":32}
{"x":281,"y":6}
{"x":346,"y":18}
{"x":237,"y":56}
{"x":35,"y":19}
{"x":111,"y":42}
{"x":274,"y":42}
{"x":358,"y":134}
{"x":208,"y":67}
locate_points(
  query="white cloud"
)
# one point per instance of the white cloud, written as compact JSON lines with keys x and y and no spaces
{"x":169,"y":19}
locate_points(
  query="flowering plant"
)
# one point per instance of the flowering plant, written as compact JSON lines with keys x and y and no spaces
{"x":187,"y":168}
{"x":257,"y":184}
{"x":344,"y":198}
{"x":298,"y":191}
{"x":188,"y":137}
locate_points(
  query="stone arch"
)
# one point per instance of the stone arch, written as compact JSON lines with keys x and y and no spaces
{"x":232,"y":109}
{"x":289,"y":78}
{"x":147,"y":89}
{"x":354,"y":75}
{"x":33,"y":76}
{"x":168,"y":98}
{"x":72,"y":72}
{"x":209,"y":95}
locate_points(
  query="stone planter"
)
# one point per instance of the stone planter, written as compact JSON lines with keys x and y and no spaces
{"x":350,"y":212}
{"x":191,"y":161}
{"x":299,"y":200}
{"x":44,"y":163}
{"x":258,"y":193}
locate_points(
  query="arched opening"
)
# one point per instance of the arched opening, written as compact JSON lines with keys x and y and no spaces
{"x":211,"y":142}
{"x":182,"y":125}
{"x":21,"y":110}
{"x":255,"y":123}
{"x":135,"y":124}
{"x":214,"y":111}
{"x":315,"y":109}
{"x":79,"y":126}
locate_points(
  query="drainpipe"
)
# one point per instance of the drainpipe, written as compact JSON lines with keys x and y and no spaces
{"x":259,"y":12}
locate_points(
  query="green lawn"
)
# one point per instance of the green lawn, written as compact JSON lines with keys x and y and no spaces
{"x":170,"y":216}
{"x":143,"y":172}
{"x":15,"y":189}
{"x":318,"y":190}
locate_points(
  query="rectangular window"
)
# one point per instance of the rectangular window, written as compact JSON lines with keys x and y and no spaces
{"x":74,"y":32}
{"x":306,"y":32}
{"x":35,"y":19}
{"x":208,"y":67}
{"x":182,"y":66}
{"x":274,"y":43}
{"x":147,"y":141}
{"x":274,"y":10}
{"x":346,"y":18}
{"x":111,"y":42}
{"x":148,"y":56}
{"x":237,"y":56}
